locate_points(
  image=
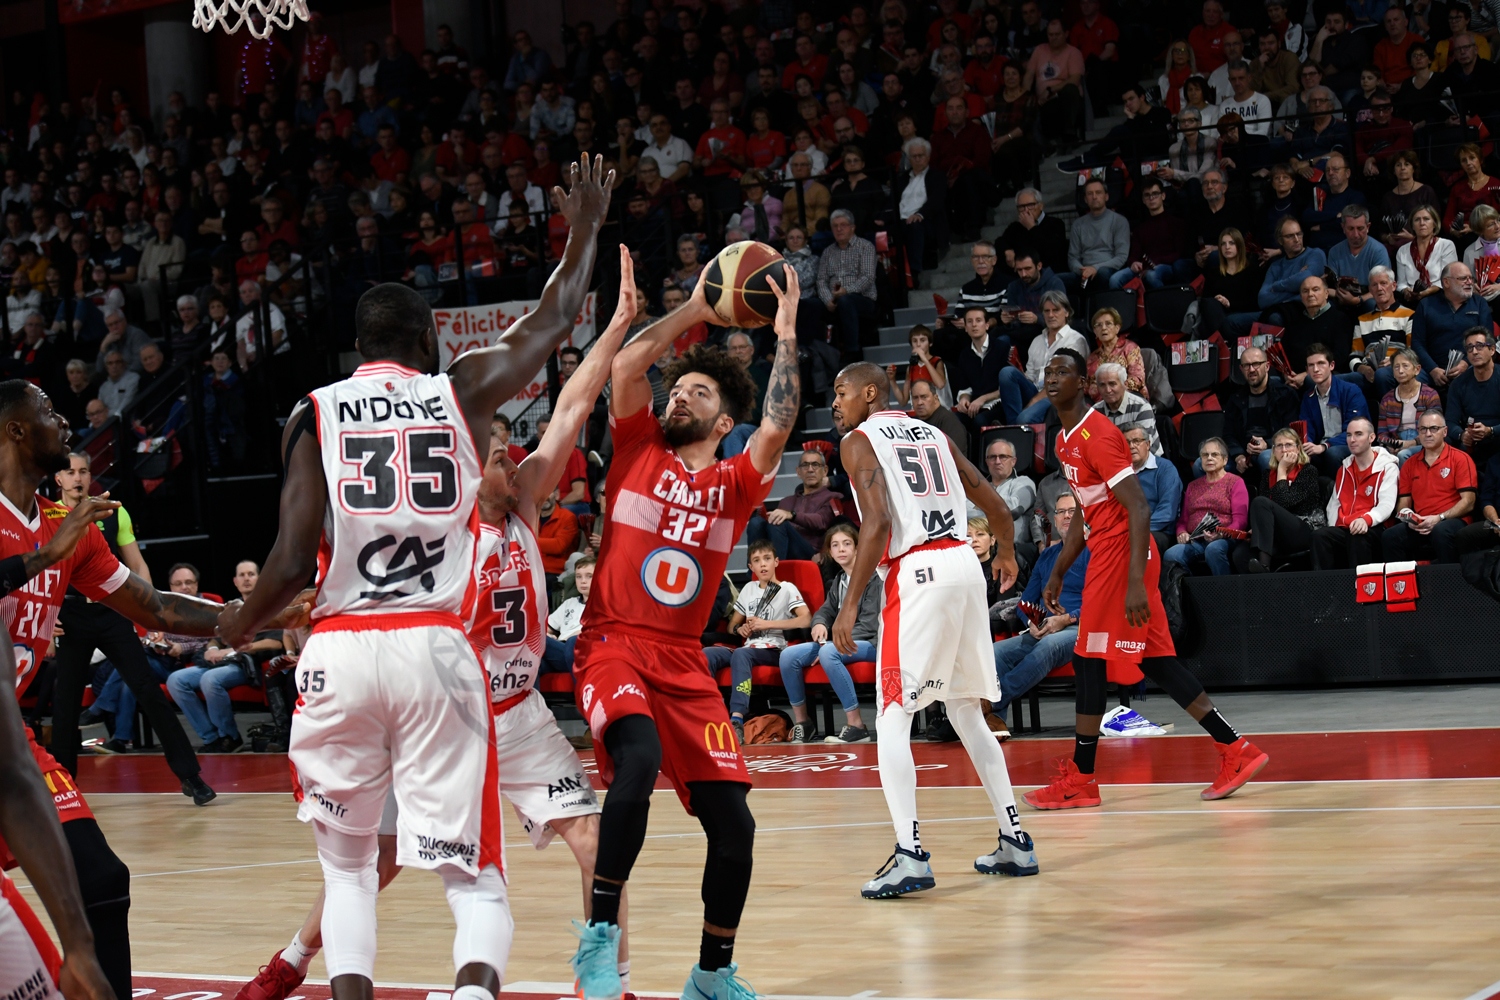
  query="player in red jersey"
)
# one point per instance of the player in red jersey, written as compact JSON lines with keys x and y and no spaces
{"x":34,"y":446}
{"x":673,"y":515}
{"x":29,"y":965}
{"x":1122,"y":616}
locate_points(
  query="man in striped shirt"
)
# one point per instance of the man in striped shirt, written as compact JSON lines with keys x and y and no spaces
{"x":1125,"y":409}
{"x":1389,"y":319}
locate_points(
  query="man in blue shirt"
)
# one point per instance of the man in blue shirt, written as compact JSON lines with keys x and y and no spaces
{"x":1327,"y":408}
{"x":1323,"y":224}
{"x":1353,"y":257}
{"x":1021,"y":304}
{"x":1437,"y":329}
{"x":1047,"y":642}
{"x":1285,"y":274}
{"x":1161,"y":484}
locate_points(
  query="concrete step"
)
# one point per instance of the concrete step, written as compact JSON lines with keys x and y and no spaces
{"x":912,"y":315}
{"x":789,"y":460}
{"x":888,"y":354}
{"x":918,"y":298}
{"x":819,"y":421}
{"x":783,"y":486}
{"x":739,"y":559}
{"x":894,"y":335}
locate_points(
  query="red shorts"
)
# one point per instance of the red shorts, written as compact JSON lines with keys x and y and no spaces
{"x":66,"y":797}
{"x":1103,"y":632}
{"x":618,"y":674}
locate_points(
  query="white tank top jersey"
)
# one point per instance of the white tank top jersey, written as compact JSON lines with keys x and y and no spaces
{"x":926,"y":496}
{"x":509,"y":630}
{"x":401,"y":525}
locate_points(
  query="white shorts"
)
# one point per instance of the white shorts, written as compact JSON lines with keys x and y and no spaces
{"x":404,"y":709}
{"x":539,"y":771}
{"x":24,"y":973}
{"x":934,"y":641}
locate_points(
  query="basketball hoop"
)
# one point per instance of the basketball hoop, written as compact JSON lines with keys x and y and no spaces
{"x":260,"y":16}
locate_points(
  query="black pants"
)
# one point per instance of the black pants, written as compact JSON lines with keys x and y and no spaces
{"x":1475,"y":537}
{"x":1100,"y":77}
{"x":1014,"y":164}
{"x":1062,"y":116}
{"x":94,"y":626}
{"x":1338,"y":548}
{"x":968,"y":203}
{"x":1400,"y":542}
{"x":1275,"y":530}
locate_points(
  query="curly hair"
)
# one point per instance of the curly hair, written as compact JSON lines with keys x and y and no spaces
{"x":736,"y":387}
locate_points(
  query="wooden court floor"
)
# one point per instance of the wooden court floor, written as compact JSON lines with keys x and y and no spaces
{"x":1352,"y":889}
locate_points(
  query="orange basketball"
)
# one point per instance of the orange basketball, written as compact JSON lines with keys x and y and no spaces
{"x":737,"y":283}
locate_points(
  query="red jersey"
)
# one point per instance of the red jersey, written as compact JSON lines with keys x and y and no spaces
{"x":30,"y":614}
{"x":667,"y":534}
{"x":1094,"y":457}
{"x":1436,"y":488}
{"x":1092,"y":40}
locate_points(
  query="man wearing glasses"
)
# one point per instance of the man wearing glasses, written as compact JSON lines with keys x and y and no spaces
{"x":1379,"y":140}
{"x":1472,"y":81}
{"x":1439,"y":328}
{"x":1474,"y":397}
{"x":1046,"y":642}
{"x":1035,"y":230}
{"x":1297,"y":262}
{"x":1017,"y":492}
{"x":1293,"y":110}
{"x":1160,"y":240}
{"x":1320,"y":134}
{"x":1254,"y":411}
{"x":1435,"y":496}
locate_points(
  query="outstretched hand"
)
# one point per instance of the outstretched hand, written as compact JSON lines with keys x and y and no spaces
{"x":786,"y":304}
{"x":625,"y":307}
{"x":587,"y":199}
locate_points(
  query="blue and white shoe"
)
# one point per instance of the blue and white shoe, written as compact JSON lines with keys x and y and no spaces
{"x":1122,"y":721}
{"x":596,"y":964}
{"x":1014,"y":856}
{"x":903,"y":872}
{"x":720,"y":985}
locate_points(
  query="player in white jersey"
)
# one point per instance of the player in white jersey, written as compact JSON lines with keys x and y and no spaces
{"x":382,"y":471}
{"x":30,"y":967}
{"x":538,"y":771}
{"x":934,"y":641}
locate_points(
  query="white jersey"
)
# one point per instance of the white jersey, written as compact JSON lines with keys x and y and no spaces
{"x":508,"y":631}
{"x":403,"y":474}
{"x":926,"y":496}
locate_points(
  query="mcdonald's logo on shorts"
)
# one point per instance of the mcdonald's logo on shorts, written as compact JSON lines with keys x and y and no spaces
{"x":718,"y":739}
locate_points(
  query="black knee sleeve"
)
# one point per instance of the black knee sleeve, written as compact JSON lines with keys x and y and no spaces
{"x":1091,"y":681}
{"x":104,"y":884}
{"x":635,"y":750}
{"x":1172,"y":677}
{"x":725,"y":814}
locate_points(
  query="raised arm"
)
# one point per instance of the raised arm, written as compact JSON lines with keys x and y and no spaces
{"x":783,"y":391}
{"x":631,"y":392}
{"x":1002,"y":525}
{"x":539,"y":471}
{"x":868,"y":480}
{"x":28,"y":822}
{"x":485,"y":378}
{"x":293,"y":559}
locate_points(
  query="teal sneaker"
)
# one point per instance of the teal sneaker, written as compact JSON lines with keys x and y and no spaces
{"x":720,"y":985}
{"x":596,"y":964}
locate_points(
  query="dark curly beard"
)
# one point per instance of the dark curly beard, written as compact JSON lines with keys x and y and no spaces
{"x":688,"y":432}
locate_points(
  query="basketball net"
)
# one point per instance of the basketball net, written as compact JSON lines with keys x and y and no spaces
{"x":260,"y":16}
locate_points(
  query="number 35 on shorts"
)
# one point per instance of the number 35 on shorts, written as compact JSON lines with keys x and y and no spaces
{"x":310,"y":681}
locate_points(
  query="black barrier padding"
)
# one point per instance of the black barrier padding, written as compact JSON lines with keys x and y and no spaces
{"x":1306,"y":628}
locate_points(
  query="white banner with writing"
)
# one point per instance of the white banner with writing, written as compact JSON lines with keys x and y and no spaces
{"x":471,"y":327}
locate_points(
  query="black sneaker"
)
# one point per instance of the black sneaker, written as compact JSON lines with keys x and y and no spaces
{"x":196,"y":789}
{"x":804,"y":732}
{"x":1070,"y":166}
{"x":232,"y":743}
{"x":115,"y":746}
{"x":850,"y":734}
{"x":942,"y":731}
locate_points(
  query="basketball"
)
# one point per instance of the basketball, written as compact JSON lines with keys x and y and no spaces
{"x":737,"y":283}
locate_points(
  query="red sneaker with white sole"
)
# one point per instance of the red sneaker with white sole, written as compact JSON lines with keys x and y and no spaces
{"x":1071,"y":789}
{"x":275,"y":981}
{"x":1238,"y":763}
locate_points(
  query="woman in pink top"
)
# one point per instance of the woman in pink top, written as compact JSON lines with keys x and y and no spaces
{"x":1218,"y":492}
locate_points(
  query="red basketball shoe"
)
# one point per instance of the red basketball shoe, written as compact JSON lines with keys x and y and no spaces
{"x":1071,"y":789}
{"x":1239,"y":762}
{"x":275,"y":981}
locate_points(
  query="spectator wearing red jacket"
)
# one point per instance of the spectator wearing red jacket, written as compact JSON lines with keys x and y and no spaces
{"x":961,"y":150}
{"x":985,"y":74}
{"x":1364,"y":497}
{"x":809,"y":62}
{"x":556,"y":537}
{"x":389,"y":161}
{"x":1435,"y":493}
{"x":1098,"y":38}
{"x":1207,"y":39}
{"x":1377,"y":141}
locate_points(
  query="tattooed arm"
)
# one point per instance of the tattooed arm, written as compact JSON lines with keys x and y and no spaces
{"x":1002,"y":525}
{"x":783,"y":395}
{"x":868,"y":480}
{"x":164,"y":611}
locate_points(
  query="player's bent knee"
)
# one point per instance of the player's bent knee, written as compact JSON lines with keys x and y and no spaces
{"x":102,"y":877}
{"x":1181,"y":685}
{"x":635,"y":749}
{"x":481,"y":909}
{"x":725,"y":813}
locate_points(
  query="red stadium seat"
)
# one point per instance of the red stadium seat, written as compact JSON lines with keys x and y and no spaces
{"x":555,"y":683}
{"x":804,"y":575}
{"x":767,"y":675}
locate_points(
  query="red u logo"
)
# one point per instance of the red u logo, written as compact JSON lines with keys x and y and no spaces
{"x":672,"y":579}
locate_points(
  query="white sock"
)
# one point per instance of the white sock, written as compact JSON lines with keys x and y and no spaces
{"x":989,"y":760}
{"x":298,"y":955}
{"x":624,"y":968}
{"x":898,"y":774}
